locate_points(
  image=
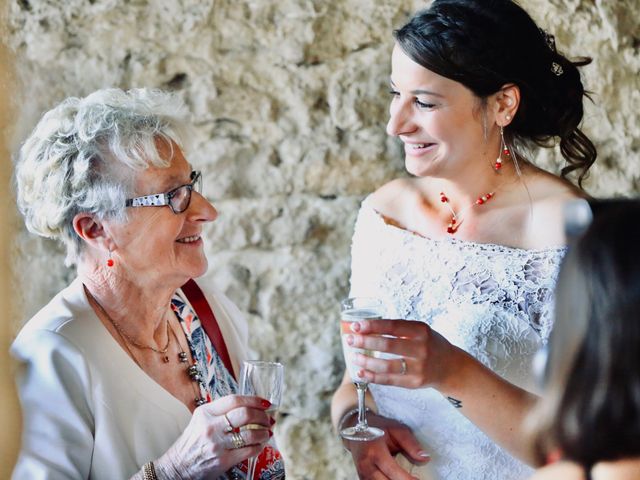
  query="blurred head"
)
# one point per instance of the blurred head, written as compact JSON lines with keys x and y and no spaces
{"x":87,"y":156}
{"x":487,"y":45}
{"x":590,"y":409}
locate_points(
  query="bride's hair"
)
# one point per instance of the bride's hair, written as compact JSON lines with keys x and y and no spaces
{"x":487,"y":44}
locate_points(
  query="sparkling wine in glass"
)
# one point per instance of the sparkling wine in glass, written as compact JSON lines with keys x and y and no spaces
{"x":265,"y":380}
{"x":353,"y":310}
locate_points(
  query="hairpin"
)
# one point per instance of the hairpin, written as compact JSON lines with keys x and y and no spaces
{"x":549,"y":39}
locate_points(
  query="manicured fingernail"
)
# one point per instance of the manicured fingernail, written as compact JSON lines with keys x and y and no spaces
{"x":355,"y":326}
{"x":265,"y":403}
{"x":423,"y":454}
{"x":270,"y":434}
{"x":272,"y":420}
{"x":349,"y":339}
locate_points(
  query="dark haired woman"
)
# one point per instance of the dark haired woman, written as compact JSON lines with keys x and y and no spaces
{"x":589,"y":414}
{"x":467,"y":252}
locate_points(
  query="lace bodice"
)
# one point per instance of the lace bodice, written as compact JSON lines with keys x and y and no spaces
{"x":493,"y":301}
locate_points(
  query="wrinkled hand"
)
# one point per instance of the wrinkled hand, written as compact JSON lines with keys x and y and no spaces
{"x":427,"y":356}
{"x":374,"y":460}
{"x":206,"y":449}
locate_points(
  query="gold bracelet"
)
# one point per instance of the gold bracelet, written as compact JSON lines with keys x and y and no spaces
{"x":149,"y":471}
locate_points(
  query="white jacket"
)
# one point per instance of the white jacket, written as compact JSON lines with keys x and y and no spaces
{"x":89,"y":411}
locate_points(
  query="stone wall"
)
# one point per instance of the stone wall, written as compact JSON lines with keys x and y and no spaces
{"x":289,"y":102}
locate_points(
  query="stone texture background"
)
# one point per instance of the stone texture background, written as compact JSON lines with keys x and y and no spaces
{"x":289,"y":100}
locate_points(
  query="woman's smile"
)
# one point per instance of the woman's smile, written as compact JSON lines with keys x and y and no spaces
{"x":418,"y":149}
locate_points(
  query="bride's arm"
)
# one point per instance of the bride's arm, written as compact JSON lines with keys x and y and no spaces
{"x":496,"y":406}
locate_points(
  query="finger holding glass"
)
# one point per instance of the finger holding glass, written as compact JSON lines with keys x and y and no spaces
{"x":354,"y":310}
{"x":265,"y":380}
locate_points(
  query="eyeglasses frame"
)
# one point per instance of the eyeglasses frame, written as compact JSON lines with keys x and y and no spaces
{"x":164,"y":199}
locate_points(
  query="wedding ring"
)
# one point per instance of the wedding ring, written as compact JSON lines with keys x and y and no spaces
{"x":229,"y":428}
{"x":403,"y":368}
{"x":237,"y":440}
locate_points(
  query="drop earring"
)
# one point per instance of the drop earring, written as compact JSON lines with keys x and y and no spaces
{"x":503,"y":150}
{"x":110,"y":261}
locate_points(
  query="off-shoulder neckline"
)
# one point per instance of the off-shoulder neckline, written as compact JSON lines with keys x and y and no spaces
{"x":489,"y":246}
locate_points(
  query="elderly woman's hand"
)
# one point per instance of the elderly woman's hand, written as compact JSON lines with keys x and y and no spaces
{"x":207,"y":448}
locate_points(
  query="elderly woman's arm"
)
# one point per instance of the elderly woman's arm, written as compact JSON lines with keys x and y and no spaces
{"x":57,"y":440}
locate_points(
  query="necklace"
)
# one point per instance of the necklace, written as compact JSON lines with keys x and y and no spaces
{"x":193,"y":371}
{"x":456,"y":217}
{"x":128,"y":339}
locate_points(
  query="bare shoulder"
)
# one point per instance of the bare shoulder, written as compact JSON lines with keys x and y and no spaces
{"x":394,"y":197}
{"x":559,"y":471}
{"x":548,"y":197}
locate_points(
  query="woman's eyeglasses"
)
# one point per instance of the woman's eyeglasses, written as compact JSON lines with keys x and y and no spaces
{"x":178,"y":198}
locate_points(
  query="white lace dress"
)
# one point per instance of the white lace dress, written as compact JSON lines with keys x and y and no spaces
{"x":493,"y":301}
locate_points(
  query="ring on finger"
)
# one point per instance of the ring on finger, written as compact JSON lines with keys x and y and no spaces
{"x":237,"y":440}
{"x":403,"y":366}
{"x":253,"y":426}
{"x":229,"y":428}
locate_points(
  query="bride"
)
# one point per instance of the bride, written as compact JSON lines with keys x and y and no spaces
{"x":464,"y":254}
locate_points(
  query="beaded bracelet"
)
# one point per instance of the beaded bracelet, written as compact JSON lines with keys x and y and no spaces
{"x":149,"y":471}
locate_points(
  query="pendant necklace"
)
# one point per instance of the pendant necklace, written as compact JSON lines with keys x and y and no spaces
{"x":128,"y":339}
{"x":456,"y":217}
{"x":192,"y":371}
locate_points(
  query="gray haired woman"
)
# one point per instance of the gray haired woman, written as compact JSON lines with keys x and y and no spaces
{"x":129,"y":372}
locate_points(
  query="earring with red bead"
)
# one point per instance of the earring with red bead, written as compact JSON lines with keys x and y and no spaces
{"x":504,"y":150}
{"x":110,"y":261}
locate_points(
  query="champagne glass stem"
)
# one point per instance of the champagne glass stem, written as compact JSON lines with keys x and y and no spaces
{"x":361,"y":388}
{"x":251,"y":468}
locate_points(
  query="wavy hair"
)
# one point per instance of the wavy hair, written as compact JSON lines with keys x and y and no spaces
{"x":82,"y":154}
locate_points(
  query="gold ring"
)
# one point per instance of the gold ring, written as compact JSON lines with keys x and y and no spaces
{"x":237,"y":440}
{"x":253,"y":426}
{"x":403,"y":369}
{"x":229,"y":428}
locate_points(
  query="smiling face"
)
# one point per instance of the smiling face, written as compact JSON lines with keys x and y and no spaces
{"x":439,"y":120}
{"x":155,"y":244}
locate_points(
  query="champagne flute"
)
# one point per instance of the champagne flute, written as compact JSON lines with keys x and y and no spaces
{"x":353,"y":310}
{"x":266,"y":380}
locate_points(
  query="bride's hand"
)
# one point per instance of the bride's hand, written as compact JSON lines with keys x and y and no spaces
{"x":426,"y":359}
{"x":375,"y":459}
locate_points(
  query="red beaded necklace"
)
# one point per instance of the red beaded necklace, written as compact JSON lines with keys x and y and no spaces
{"x":456,"y":219}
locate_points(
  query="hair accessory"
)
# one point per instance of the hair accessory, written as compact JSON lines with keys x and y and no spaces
{"x":110,"y":261}
{"x":456,"y":217}
{"x":549,"y":39}
{"x":503,"y":150}
{"x":557,"y":69}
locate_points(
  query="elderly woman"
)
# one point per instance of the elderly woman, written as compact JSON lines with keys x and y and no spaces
{"x":130,"y":371}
